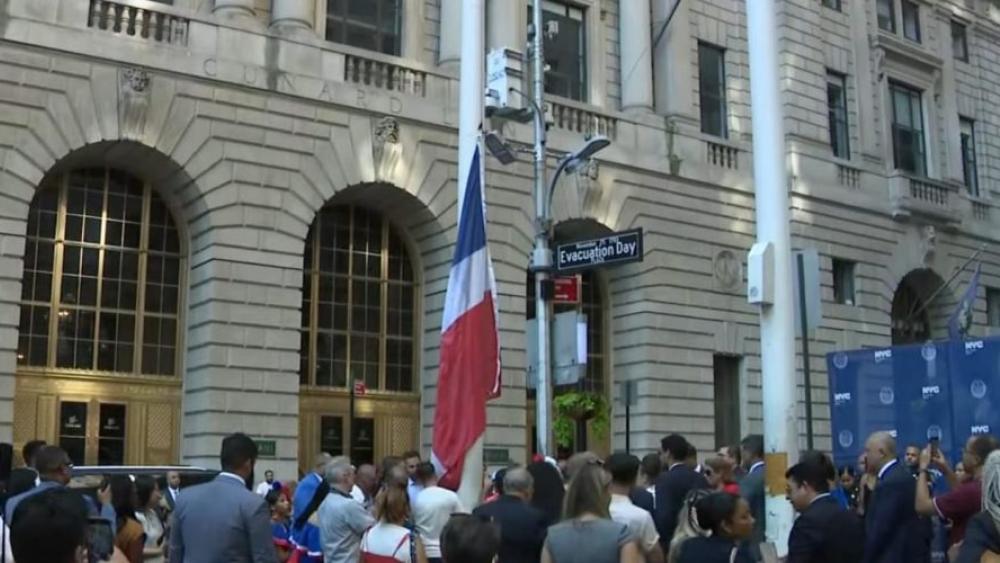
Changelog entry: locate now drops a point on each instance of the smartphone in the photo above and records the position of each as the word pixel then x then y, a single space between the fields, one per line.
pixel 100 540
pixel 934 446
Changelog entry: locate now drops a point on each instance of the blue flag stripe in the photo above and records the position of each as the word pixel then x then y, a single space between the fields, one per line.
pixel 471 225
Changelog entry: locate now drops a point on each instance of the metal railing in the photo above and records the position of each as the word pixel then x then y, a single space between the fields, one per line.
pixel 380 74
pixel 139 19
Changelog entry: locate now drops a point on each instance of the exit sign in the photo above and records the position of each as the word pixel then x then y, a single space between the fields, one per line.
pixel 266 449
pixel 567 290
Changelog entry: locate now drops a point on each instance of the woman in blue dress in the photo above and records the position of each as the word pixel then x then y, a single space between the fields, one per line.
pixel 305 530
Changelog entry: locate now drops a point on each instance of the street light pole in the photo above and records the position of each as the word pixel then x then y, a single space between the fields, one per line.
pixel 541 257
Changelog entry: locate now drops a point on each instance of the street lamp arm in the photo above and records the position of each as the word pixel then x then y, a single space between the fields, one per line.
pixel 539 114
pixel 563 163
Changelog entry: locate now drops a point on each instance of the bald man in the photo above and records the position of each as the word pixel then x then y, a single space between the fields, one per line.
pixel 522 526
pixel 894 532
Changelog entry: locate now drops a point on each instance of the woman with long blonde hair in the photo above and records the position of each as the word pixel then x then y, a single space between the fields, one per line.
pixel 588 534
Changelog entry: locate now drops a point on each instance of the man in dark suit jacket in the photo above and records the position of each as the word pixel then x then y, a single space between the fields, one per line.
pixel 223 520
pixel 894 532
pixel 673 485
pixel 522 526
pixel 824 532
pixel 752 488
pixel 643 499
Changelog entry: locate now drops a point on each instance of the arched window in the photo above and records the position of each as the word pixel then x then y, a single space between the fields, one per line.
pixel 358 303
pixel 591 305
pixel 102 268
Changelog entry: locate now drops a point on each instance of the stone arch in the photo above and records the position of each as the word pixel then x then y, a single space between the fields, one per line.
pixel 153 405
pixel 921 306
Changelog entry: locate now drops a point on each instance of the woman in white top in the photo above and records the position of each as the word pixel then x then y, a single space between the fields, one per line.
pixel 388 541
pixel 149 500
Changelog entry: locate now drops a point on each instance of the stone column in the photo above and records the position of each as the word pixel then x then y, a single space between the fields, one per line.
pixel 951 127
pixel 636 55
pixel 293 16
pixel 451 33
pixel 506 20
pixel 672 56
pixel 413 31
pixel 234 8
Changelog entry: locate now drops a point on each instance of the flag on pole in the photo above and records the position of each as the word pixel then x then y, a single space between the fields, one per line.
pixel 961 319
pixel 469 373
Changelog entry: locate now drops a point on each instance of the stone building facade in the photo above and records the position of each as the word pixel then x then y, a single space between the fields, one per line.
pixel 214 214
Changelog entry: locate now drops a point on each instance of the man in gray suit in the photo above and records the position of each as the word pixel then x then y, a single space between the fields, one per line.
pixel 752 487
pixel 222 520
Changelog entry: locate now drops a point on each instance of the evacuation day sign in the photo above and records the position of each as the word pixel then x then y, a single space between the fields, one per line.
pixel 615 249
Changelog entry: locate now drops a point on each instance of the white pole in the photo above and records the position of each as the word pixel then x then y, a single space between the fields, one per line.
pixel 470 118
pixel 541 257
pixel 777 331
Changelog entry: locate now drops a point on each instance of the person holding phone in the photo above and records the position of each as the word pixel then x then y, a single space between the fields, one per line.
pixel 964 500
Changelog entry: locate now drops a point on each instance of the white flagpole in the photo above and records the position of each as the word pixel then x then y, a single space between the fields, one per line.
pixel 777 328
pixel 470 119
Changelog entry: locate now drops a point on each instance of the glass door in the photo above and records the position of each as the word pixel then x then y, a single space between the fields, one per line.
pixel 73 430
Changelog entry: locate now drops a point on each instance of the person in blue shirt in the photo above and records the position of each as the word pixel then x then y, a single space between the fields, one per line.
pixel 54 471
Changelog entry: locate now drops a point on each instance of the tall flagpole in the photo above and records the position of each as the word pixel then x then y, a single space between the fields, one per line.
pixel 777 329
pixel 472 74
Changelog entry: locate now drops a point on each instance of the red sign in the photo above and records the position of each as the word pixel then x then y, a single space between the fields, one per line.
pixel 359 387
pixel 567 290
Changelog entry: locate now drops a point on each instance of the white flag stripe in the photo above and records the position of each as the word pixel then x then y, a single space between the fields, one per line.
pixel 468 282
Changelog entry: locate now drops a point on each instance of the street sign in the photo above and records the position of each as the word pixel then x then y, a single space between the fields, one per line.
pixel 620 248
pixel 359 387
pixel 567 290
pixel 266 449
pixel 569 348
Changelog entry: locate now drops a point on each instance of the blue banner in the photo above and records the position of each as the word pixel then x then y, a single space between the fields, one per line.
pixel 947 390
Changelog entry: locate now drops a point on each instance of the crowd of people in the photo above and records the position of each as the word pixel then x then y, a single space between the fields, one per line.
pixel 665 507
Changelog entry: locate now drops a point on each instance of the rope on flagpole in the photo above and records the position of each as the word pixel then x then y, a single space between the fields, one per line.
pixel 938 291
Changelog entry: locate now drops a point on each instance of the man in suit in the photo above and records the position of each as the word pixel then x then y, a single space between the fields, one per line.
pixel 223 520
pixel 173 489
pixel 824 532
pixel 894 533
pixel 752 487
pixel 673 485
pixel 522 526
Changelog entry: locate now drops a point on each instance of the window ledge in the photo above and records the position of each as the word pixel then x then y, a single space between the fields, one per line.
pixel 906 51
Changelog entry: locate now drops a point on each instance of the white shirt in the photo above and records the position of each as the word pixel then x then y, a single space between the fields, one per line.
pixel 388 540
pixel 357 494
pixel 639 521
pixel 431 512
pixel 263 488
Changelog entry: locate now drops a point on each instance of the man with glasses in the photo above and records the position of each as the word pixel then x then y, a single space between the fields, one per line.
pixel 54 471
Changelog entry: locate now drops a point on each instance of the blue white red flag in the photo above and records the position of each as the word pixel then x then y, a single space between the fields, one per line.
pixel 469 373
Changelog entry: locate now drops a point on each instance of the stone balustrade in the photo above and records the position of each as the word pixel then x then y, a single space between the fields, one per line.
pixel 140 19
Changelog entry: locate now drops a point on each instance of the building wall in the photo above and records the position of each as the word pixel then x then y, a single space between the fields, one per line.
pixel 248 134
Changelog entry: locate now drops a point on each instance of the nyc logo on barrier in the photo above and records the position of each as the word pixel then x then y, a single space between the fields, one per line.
pixel 937 390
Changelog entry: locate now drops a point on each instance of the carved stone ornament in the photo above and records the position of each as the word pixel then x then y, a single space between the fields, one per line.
pixel 588 189
pixel 386 148
pixel 928 244
pixel 133 102
pixel 727 269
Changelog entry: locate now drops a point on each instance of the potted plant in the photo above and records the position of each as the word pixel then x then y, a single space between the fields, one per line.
pixel 576 408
